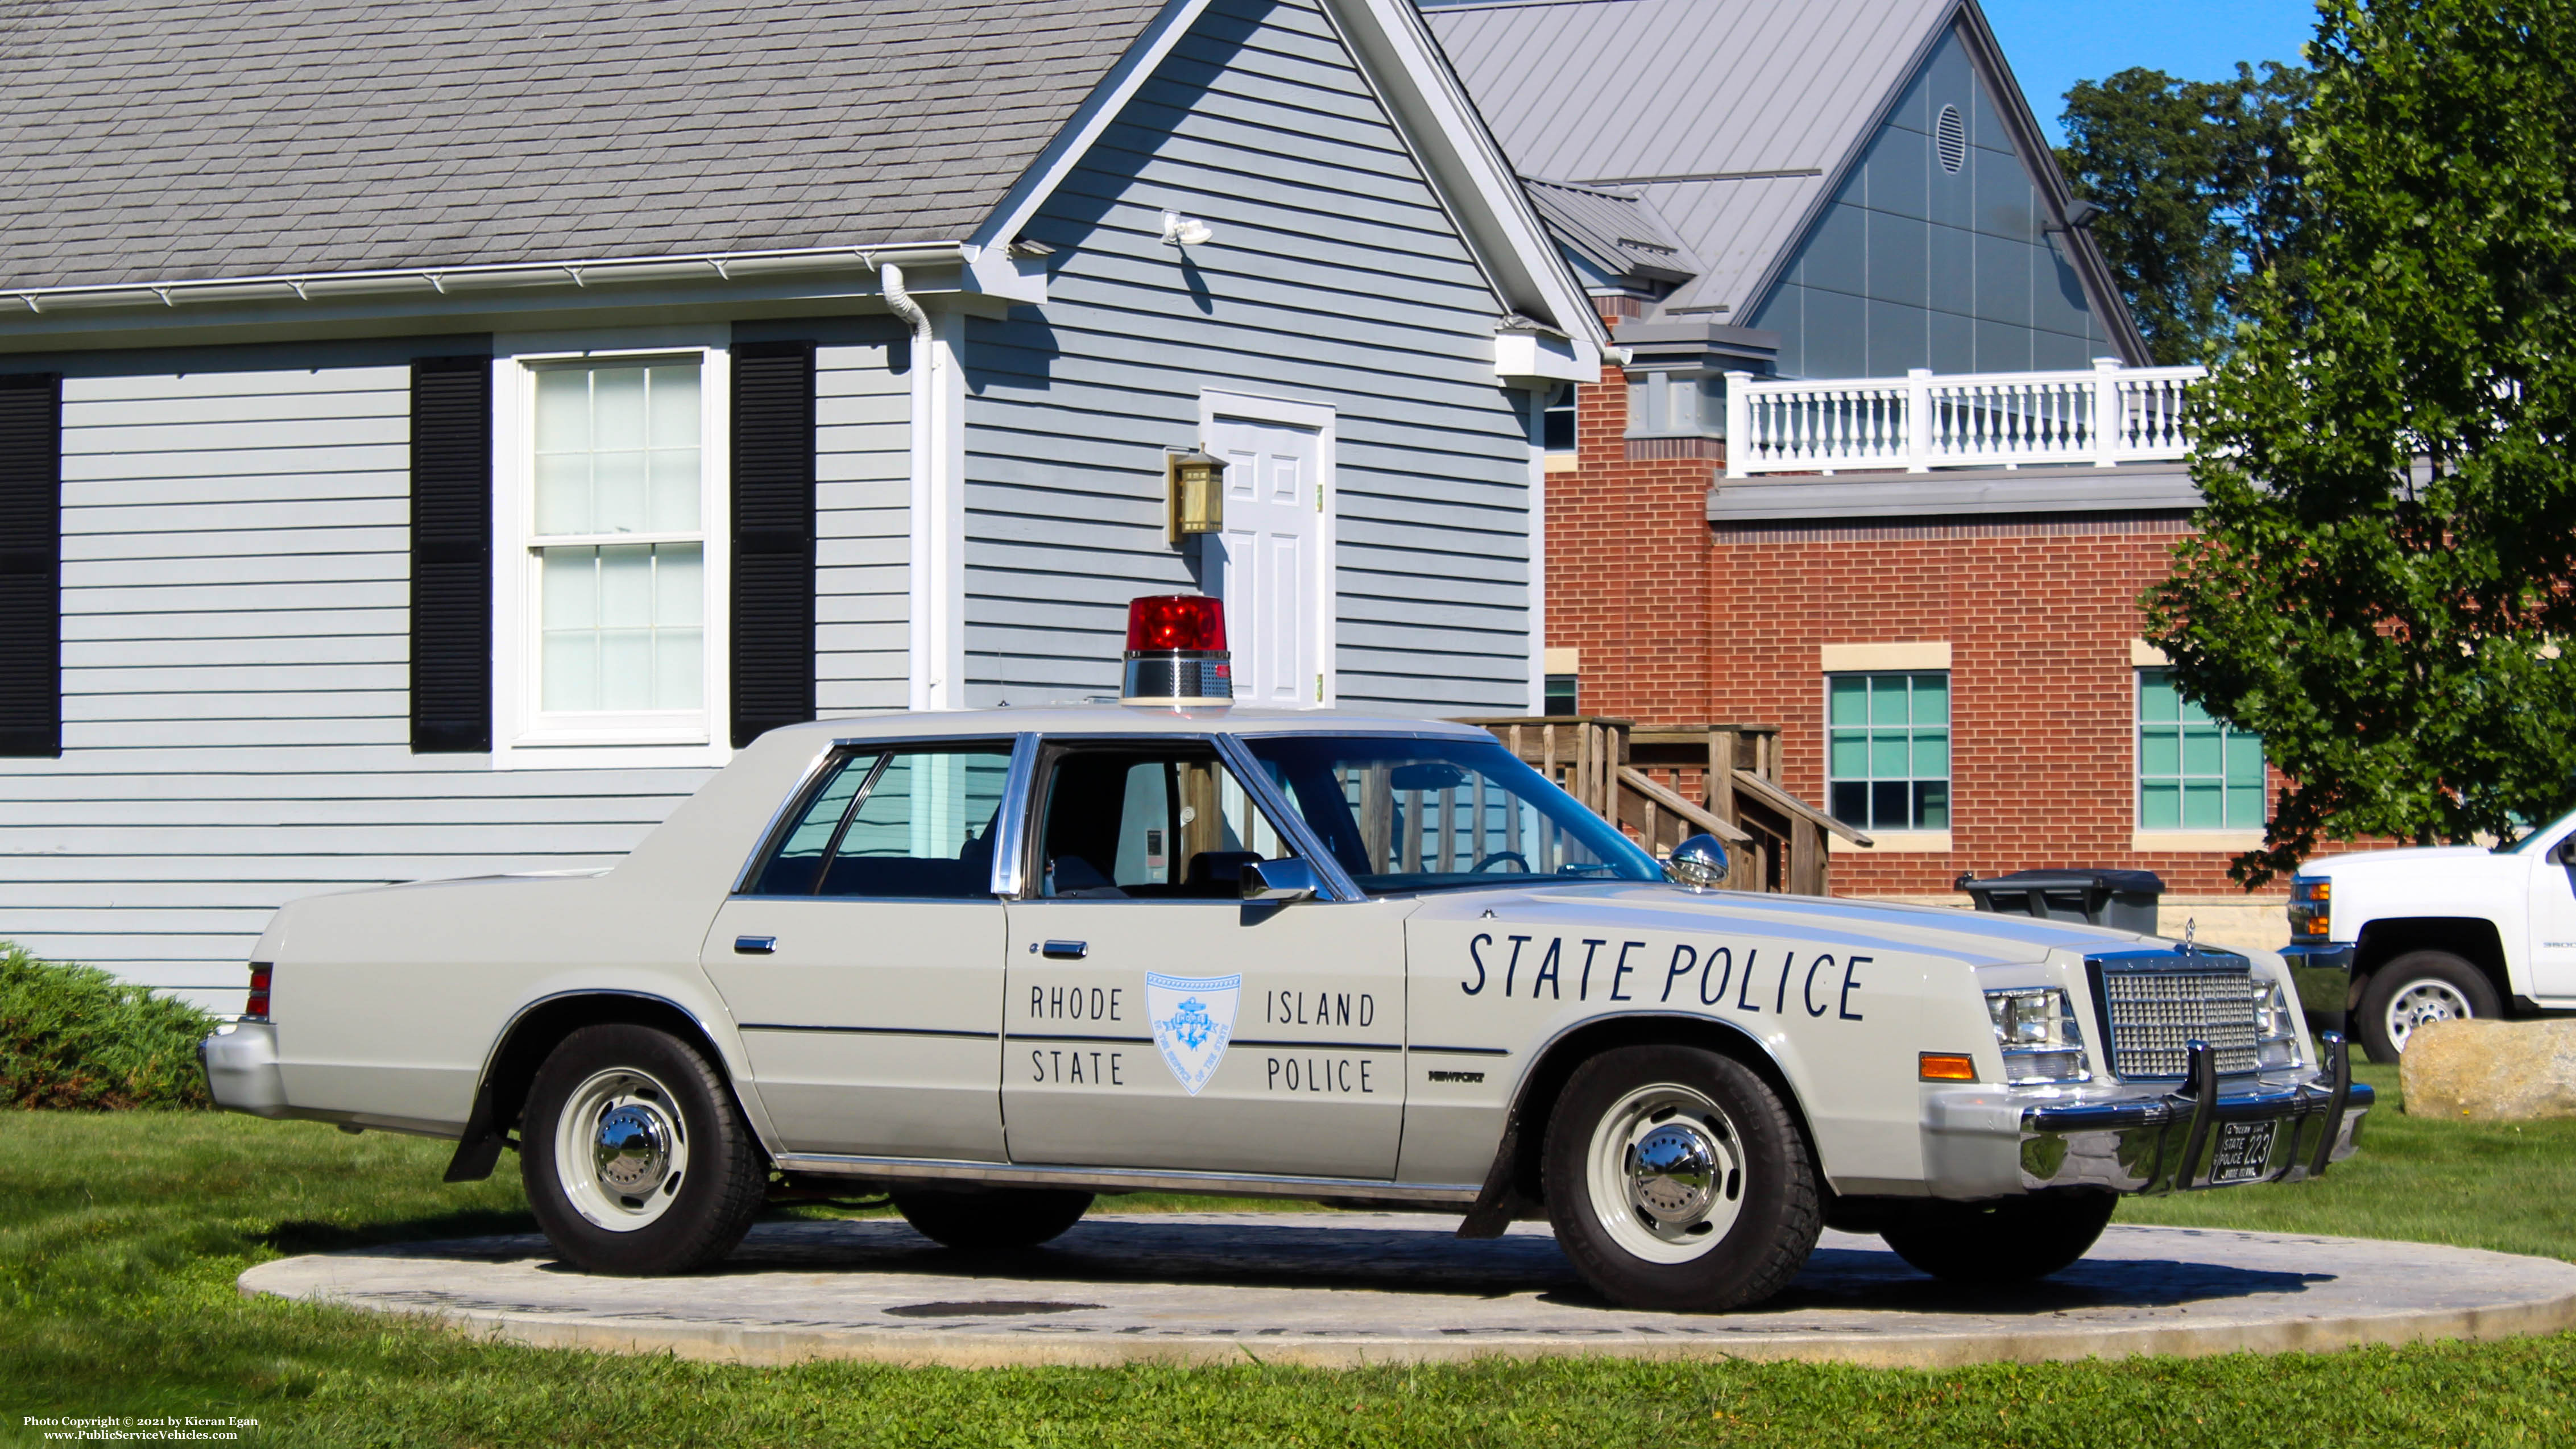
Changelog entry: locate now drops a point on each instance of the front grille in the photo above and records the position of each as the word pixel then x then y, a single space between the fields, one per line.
pixel 2155 1011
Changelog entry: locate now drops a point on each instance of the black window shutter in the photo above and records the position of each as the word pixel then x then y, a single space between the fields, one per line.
pixel 31 564
pixel 773 537
pixel 451 555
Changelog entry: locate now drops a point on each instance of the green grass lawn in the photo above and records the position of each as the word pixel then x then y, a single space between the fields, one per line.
pixel 120 1236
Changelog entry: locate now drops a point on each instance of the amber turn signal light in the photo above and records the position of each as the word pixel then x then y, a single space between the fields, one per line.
pixel 1948 1067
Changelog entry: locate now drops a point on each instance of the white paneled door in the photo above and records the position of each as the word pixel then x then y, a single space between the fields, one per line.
pixel 1271 570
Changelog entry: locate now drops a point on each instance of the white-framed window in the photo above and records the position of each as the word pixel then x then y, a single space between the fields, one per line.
pixel 2194 772
pixel 609 566
pixel 1887 759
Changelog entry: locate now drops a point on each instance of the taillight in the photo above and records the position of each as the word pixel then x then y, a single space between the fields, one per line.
pixel 256 1009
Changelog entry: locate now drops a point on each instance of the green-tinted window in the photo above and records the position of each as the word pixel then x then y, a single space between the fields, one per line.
pixel 1887 761
pixel 1564 694
pixel 2194 772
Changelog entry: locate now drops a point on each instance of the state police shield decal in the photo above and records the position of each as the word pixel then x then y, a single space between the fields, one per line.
pixel 1193 1018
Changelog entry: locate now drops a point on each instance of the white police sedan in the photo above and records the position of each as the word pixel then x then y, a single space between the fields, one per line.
pixel 1001 962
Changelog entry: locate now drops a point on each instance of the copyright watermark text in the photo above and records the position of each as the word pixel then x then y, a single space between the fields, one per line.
pixel 96 1428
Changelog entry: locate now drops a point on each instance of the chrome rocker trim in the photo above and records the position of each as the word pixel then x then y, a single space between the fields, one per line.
pixel 2166 1143
pixel 1113 1179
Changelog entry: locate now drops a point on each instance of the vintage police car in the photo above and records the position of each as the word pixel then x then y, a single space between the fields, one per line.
pixel 999 962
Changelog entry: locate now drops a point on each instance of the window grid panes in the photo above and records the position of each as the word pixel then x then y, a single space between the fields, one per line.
pixel 2194 772
pixel 617 521
pixel 1888 750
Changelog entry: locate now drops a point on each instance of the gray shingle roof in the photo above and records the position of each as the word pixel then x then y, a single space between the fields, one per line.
pixel 169 140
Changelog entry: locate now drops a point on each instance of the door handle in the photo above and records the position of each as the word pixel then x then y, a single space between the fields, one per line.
pixel 755 945
pixel 1066 950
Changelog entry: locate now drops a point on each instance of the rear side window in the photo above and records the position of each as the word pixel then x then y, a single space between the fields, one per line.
pixel 894 824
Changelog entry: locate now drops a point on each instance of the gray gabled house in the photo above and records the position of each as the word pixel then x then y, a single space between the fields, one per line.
pixel 433 437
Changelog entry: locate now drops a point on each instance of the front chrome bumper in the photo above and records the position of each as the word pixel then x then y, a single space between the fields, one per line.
pixel 2200 1135
pixel 240 1060
pixel 1985 1142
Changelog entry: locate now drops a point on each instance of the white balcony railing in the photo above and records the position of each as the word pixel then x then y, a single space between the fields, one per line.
pixel 2104 416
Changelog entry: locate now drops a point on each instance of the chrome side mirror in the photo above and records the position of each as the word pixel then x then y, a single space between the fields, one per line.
pixel 1279 880
pixel 1699 863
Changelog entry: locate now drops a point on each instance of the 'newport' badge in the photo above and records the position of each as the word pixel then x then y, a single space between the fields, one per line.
pixel 1193 1018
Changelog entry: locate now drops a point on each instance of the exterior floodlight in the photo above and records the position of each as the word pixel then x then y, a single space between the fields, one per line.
pixel 1176 652
pixel 1185 231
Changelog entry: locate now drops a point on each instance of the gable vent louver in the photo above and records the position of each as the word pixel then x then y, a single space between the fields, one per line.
pixel 1950 139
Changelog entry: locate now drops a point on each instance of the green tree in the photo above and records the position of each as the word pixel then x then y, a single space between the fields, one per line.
pixel 2199 187
pixel 2381 581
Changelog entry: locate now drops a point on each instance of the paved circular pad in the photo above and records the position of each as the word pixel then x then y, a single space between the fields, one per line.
pixel 1350 1288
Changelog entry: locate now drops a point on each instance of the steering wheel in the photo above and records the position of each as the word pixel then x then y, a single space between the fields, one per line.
pixel 1514 856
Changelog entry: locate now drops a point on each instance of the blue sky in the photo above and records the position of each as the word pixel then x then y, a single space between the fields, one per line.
pixel 2052 44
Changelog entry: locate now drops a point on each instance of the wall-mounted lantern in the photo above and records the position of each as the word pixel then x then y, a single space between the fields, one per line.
pixel 1195 492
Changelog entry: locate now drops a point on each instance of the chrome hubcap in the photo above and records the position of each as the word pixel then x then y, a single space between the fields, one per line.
pixel 633 1151
pixel 1666 1173
pixel 621 1149
pixel 1673 1173
pixel 2420 1004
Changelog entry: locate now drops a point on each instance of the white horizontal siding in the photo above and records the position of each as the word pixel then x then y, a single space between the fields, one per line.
pixel 1335 277
pixel 236 659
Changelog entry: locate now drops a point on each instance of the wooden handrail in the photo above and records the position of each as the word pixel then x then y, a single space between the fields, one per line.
pixel 1788 804
pixel 1680 805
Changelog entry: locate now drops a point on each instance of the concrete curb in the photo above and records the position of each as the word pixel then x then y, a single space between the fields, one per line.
pixel 1863 1309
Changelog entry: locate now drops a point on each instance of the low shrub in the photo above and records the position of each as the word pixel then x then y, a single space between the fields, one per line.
pixel 76 1039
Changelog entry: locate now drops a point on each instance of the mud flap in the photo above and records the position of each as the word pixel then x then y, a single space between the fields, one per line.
pixel 480 1149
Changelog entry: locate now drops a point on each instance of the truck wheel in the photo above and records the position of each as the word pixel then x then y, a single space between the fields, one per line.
pixel 2416 988
pixel 635 1158
pixel 993 1220
pixel 1677 1179
pixel 2010 1240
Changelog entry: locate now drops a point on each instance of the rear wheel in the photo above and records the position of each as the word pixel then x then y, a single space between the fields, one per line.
pixel 2418 989
pixel 2010 1240
pixel 636 1160
pixel 1677 1179
pixel 993 1220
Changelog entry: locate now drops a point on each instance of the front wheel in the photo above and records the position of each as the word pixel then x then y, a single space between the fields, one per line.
pixel 1677 1179
pixel 635 1159
pixel 1994 1244
pixel 2417 989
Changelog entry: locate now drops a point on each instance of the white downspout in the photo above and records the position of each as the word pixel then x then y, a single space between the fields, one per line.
pixel 924 634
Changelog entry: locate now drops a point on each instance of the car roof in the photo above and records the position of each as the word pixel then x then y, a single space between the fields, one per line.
pixel 1097 719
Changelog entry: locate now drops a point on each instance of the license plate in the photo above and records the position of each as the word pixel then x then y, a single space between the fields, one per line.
pixel 2244 1150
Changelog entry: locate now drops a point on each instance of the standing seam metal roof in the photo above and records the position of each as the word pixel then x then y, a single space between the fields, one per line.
pixel 172 140
pixel 1728 117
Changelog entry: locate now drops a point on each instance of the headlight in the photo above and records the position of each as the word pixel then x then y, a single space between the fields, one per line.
pixel 2276 1027
pixel 2035 1028
pixel 2311 909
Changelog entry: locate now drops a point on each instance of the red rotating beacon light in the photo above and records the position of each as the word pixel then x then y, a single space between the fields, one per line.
pixel 1176 652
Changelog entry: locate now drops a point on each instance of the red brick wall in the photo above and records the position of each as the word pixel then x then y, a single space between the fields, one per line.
pixel 1627 569
pixel 1678 623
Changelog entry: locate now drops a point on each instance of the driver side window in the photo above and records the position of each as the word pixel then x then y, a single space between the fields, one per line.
pixel 1166 823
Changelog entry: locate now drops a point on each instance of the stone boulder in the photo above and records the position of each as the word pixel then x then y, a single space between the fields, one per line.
pixel 2490 1071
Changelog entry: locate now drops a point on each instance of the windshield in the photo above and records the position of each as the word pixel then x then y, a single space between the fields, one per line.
pixel 1437 814
pixel 2554 830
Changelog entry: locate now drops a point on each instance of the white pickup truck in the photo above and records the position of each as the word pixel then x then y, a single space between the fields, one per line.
pixel 2398 938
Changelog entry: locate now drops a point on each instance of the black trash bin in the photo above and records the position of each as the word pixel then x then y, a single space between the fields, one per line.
pixel 2121 899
